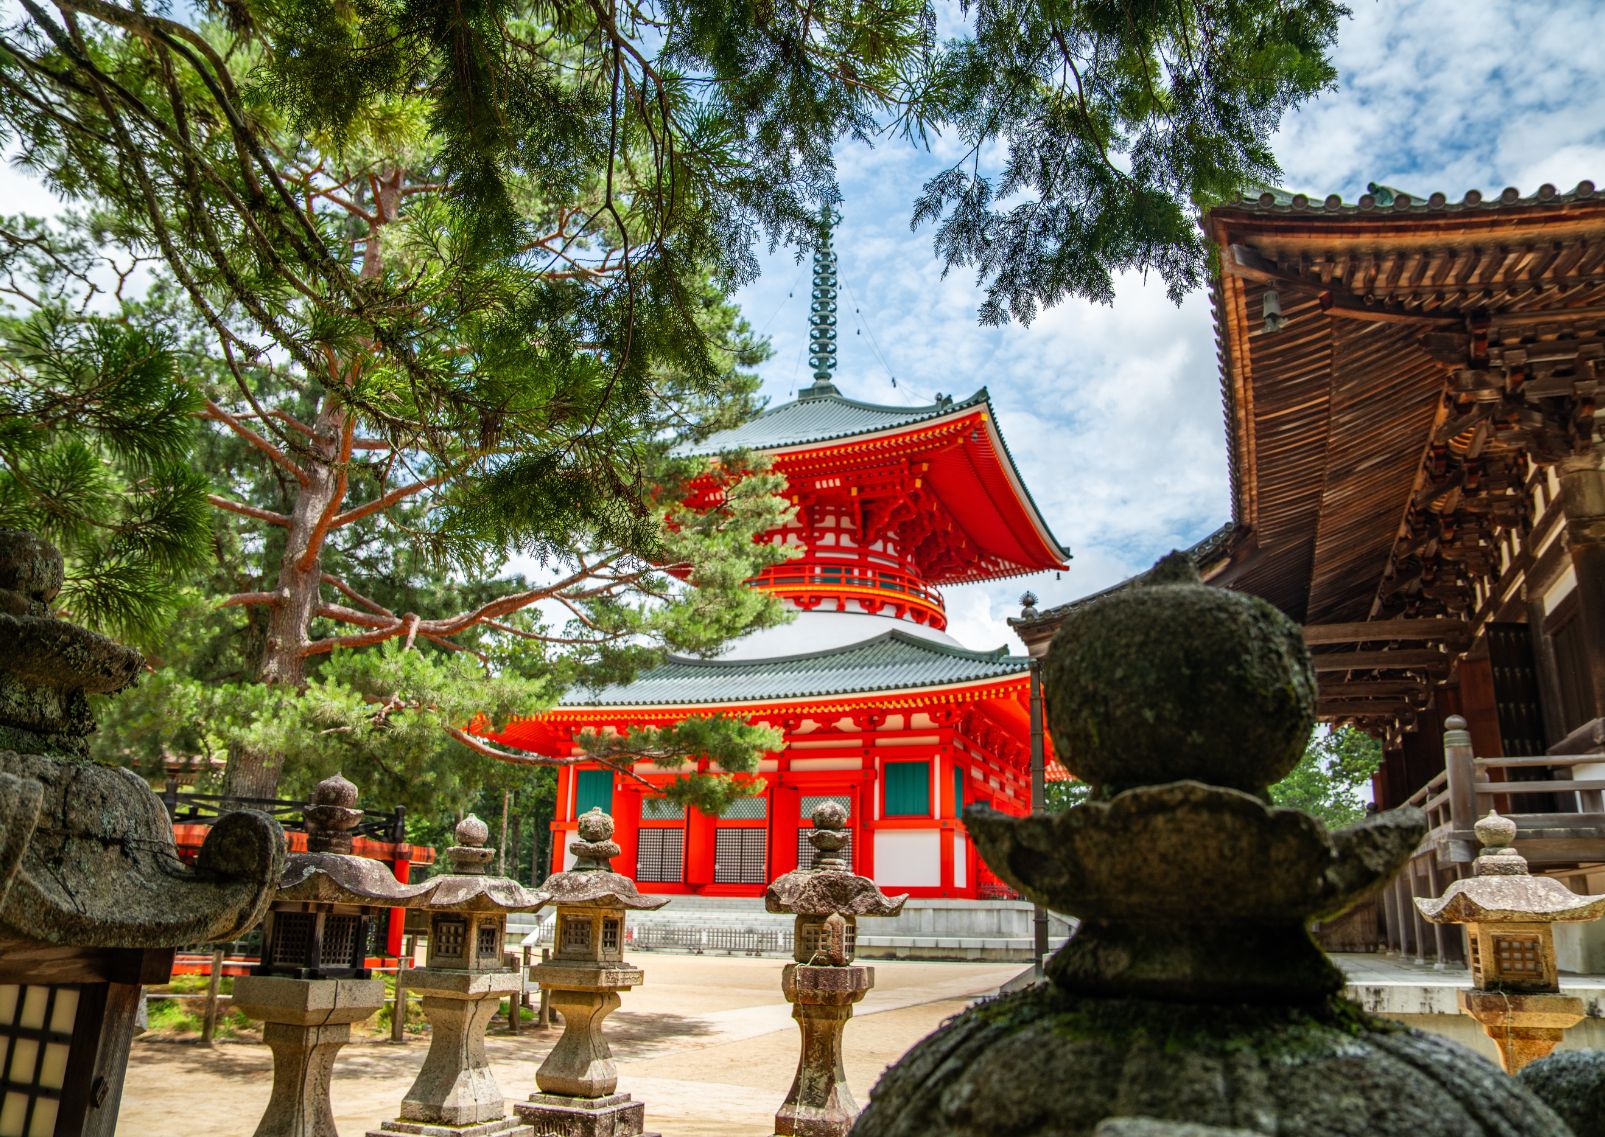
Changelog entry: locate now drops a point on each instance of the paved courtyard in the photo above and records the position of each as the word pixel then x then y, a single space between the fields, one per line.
pixel 708 1043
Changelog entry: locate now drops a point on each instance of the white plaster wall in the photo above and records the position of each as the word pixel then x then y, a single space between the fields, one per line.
pixel 961 861
pixel 908 858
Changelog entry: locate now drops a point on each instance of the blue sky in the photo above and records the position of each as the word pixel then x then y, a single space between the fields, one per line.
pixel 1114 413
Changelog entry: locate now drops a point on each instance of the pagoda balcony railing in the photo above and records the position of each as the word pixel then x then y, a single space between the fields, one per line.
pixel 871 586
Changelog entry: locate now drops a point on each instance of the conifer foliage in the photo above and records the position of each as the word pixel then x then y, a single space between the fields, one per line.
pixel 446 280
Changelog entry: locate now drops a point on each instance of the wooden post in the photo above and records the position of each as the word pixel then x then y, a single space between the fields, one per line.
pixel 545 1020
pixel 1438 930
pixel 1039 805
pixel 398 1015
pixel 1582 503
pixel 501 850
pixel 1459 759
pixel 209 1025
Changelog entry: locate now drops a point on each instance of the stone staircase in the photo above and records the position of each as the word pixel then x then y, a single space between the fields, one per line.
pixel 927 929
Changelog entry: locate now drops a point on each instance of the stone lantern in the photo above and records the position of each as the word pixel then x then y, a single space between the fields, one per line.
pixel 578 1081
pixel 462 984
pixel 1509 917
pixel 1191 998
pixel 311 984
pixel 822 983
pixel 93 896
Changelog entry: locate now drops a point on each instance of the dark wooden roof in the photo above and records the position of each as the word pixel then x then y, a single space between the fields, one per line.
pixel 1430 352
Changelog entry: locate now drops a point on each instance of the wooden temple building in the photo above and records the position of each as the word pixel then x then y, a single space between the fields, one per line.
pixel 1410 388
pixel 880 708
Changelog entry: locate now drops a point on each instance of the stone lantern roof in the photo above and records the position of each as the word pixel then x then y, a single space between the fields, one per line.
pixel 1501 890
pixel 468 888
pixel 592 883
pixel 829 888
pixel 87 857
pixel 328 872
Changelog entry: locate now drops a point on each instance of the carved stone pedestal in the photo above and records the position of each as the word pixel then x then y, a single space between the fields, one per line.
pixel 559 1115
pixel 822 998
pixel 1524 1027
pixel 306 1022
pixel 455 1092
pixel 581 1065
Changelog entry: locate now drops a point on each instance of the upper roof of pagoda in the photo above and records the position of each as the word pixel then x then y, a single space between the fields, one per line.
pixel 952 447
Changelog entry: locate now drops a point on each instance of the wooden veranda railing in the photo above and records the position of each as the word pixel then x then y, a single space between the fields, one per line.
pixel 1567 829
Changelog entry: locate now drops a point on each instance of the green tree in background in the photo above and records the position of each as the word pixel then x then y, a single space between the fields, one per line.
pixel 448 280
pixel 1328 779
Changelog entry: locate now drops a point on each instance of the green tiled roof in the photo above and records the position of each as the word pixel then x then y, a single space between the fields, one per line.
pixel 821 417
pixel 890 662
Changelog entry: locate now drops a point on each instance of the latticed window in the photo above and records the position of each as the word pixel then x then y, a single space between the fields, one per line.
pixel 340 947
pixel 806 854
pixel 488 945
pixel 661 809
pixel 451 937
pixel 746 809
pixel 36 1025
pixel 292 938
pixel 576 935
pixel 810 802
pixel 1519 957
pixel 816 939
pixel 660 855
pixel 610 934
pixel 738 856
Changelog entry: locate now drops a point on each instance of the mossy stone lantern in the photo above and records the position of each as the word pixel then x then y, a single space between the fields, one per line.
pixel 1191 997
pixel 93 895
pixel 823 983
pixel 461 985
pixel 1509 917
pixel 312 982
pixel 578 1081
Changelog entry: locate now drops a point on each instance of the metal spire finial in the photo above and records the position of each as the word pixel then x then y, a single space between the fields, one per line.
pixel 822 310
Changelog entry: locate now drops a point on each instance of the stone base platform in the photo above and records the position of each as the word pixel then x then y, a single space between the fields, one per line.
pixel 503 1127
pixel 553 1115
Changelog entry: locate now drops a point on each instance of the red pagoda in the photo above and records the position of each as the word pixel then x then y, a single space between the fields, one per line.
pixel 882 711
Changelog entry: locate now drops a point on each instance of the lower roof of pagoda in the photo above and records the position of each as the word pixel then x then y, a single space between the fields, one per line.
pixel 903 659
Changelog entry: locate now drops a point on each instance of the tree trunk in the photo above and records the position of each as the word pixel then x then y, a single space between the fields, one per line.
pixel 251 772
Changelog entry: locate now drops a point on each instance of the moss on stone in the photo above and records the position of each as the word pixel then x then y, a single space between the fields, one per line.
pixel 1172 681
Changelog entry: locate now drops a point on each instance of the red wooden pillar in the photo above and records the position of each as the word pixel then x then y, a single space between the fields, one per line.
pixel 626 825
pixel 700 836
pixel 785 813
pixel 402 867
pixel 866 806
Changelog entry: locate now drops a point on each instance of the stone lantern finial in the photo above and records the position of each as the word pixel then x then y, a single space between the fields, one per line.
pixel 595 849
pixel 469 856
pixel 331 816
pixel 829 836
pixel 1497 858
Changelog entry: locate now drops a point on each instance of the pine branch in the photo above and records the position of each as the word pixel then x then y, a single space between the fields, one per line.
pixel 251 511
pixel 279 457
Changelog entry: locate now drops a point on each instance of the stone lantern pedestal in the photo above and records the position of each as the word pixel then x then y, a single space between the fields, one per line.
pixel 455 1094
pixel 578 1081
pixel 1510 917
pixel 305 1023
pixel 823 982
